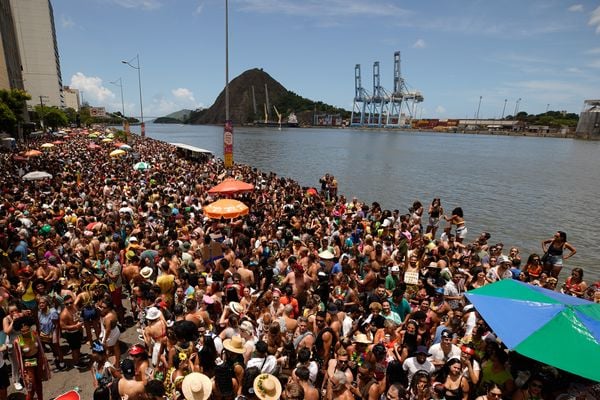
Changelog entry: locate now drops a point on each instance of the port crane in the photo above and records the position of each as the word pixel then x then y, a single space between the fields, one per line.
pixel 382 108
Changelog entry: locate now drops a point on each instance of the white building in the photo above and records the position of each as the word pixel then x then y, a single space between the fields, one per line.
pixel 71 96
pixel 36 37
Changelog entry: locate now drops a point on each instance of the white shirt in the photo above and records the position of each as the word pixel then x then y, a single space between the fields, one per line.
pixel 267 366
pixel 411 366
pixel 437 354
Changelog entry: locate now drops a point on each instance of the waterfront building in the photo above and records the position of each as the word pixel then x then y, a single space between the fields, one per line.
pixel 36 39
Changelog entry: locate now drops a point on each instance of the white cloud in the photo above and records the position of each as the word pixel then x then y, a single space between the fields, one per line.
pixel 180 98
pixel 595 19
pixel 592 51
pixel 143 4
pixel 419 44
pixel 576 8
pixel 199 8
pixel 66 22
pixel 574 70
pixel 594 64
pixel 440 110
pixel 324 8
pixel 94 92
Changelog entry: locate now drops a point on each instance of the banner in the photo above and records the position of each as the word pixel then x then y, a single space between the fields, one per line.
pixel 228 144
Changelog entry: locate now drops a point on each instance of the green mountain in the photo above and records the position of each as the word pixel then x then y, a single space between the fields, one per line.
pixel 241 106
pixel 176 117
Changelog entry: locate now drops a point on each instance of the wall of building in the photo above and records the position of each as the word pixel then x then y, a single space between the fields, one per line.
pixel 71 98
pixel 10 61
pixel 36 36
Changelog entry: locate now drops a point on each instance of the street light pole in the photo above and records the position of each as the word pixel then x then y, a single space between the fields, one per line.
pixel 504 108
pixel 120 85
pixel 228 129
pixel 139 70
pixel 516 107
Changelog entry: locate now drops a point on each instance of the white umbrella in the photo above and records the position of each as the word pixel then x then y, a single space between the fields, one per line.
pixel 37 175
pixel 141 166
pixel 125 147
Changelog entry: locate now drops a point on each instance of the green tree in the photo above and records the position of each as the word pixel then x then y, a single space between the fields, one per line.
pixel 53 117
pixel 12 106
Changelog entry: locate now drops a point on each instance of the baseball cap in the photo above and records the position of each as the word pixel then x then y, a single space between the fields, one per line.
pixel 422 350
pixel 128 368
pixel 446 334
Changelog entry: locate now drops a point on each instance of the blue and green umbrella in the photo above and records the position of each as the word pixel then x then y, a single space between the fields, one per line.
pixel 550 327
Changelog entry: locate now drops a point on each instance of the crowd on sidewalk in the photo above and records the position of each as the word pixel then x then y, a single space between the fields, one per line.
pixel 310 295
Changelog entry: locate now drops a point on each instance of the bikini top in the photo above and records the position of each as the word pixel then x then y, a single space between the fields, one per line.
pixel 24 347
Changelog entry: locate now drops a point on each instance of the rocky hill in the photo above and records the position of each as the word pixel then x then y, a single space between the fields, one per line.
pixel 241 107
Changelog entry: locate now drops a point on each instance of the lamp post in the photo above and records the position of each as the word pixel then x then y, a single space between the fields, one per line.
pixel 504 108
pixel 228 129
pixel 139 70
pixel 119 83
pixel 547 107
pixel 516 107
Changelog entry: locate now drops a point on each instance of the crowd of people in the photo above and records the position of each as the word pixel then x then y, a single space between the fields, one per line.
pixel 311 295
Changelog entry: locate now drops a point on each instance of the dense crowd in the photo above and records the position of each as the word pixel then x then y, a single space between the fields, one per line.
pixel 310 295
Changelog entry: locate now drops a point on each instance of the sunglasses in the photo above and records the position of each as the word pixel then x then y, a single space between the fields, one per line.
pixel 68 303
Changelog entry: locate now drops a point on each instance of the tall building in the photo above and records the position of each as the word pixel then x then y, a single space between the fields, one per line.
pixel 40 63
pixel 71 98
pixel 10 61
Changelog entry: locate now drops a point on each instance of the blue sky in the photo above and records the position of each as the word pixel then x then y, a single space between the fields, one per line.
pixel 453 51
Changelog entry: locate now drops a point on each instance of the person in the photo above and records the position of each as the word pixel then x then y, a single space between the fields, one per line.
pixel 444 351
pixel 110 333
pixel 494 370
pixel 48 319
pixel 31 359
pixel 456 387
pixel 338 388
pixel 575 285
pixel 417 363
pixel 553 253
pixel 71 327
pixel 500 271
pixel 420 386
pixel 301 376
pixel 103 371
pixel 533 268
pixel 458 220
pixel 435 212
pixel 14 313
pixel 532 389
pixel 266 363
pixel 493 392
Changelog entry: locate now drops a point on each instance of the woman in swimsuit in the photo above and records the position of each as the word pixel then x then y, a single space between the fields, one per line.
pixel 456 387
pixel 553 253
pixel 575 285
pixel 103 372
pixel 33 366
pixel 458 220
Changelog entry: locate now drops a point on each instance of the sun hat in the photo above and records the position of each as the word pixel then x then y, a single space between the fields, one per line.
pixel 361 338
pixel 146 272
pixel 503 259
pixel 326 255
pixel 235 344
pixel 247 327
pixel 196 386
pixel 267 387
pixel 433 264
pixel 236 307
pixel 152 313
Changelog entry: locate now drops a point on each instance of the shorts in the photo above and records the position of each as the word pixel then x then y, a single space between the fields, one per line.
pixel 89 314
pixel 434 222
pixel 73 339
pixel 461 232
pixel 4 381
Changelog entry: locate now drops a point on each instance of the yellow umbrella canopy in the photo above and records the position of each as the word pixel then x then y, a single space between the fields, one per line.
pixel 47 146
pixel 117 153
pixel 106 140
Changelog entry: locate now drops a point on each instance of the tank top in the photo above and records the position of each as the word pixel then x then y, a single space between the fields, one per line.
pixel 455 394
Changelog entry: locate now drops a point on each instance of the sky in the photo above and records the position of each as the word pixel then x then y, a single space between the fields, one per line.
pixel 455 52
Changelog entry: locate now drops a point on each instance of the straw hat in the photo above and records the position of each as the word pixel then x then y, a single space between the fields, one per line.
pixel 196 386
pixel 361 338
pixel 236 307
pixel 326 255
pixel 267 387
pixel 146 272
pixel 235 344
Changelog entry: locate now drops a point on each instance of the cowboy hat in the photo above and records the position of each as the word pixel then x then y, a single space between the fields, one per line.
pixel 152 313
pixel 267 387
pixel 196 386
pixel 235 344
pixel 361 338
pixel 146 272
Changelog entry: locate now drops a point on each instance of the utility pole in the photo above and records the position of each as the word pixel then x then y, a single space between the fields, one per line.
pixel 478 107
pixel 504 108
pixel 42 113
